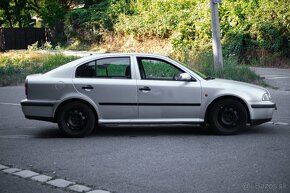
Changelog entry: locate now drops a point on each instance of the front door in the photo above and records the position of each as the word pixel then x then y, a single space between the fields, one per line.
pixel 162 97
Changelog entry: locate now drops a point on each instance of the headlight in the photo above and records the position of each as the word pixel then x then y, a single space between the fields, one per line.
pixel 266 97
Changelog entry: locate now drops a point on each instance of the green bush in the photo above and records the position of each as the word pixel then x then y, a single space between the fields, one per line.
pixel 232 69
pixel 248 28
pixel 245 25
pixel 87 24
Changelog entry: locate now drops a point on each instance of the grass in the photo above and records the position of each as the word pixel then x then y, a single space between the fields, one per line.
pixel 15 66
pixel 232 69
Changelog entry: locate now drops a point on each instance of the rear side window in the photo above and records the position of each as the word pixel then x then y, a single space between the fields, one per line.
pixel 118 67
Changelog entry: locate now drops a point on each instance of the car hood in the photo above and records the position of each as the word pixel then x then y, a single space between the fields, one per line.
pixel 236 85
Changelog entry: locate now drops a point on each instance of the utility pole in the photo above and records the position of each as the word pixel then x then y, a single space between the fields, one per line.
pixel 216 37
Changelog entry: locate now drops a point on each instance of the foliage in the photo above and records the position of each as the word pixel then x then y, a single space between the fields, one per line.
pixel 47 46
pixel 88 23
pixel 232 70
pixel 33 47
pixel 245 25
pixel 52 13
pixel 251 30
pixel 15 67
pixel 255 25
pixel 17 13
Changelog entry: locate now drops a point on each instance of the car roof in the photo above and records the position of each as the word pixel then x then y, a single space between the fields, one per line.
pixel 116 54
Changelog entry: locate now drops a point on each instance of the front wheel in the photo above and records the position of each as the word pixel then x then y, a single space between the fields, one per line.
pixel 76 119
pixel 227 116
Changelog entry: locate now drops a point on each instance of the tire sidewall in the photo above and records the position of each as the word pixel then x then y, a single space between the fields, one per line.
pixel 88 113
pixel 214 119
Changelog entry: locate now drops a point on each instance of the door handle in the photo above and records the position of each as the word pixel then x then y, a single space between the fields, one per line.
pixel 145 88
pixel 88 87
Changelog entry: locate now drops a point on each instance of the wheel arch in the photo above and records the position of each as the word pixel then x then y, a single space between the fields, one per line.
pixel 57 110
pixel 226 97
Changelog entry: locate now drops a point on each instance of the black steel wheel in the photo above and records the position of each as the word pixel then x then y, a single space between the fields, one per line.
pixel 76 119
pixel 227 116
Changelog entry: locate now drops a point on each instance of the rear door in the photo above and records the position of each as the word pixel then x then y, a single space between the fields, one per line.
pixel 110 84
pixel 161 96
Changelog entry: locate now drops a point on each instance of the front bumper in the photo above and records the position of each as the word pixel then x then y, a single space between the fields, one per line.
pixel 262 112
pixel 38 110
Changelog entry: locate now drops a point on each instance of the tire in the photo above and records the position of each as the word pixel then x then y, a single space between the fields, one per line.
pixel 228 116
pixel 76 119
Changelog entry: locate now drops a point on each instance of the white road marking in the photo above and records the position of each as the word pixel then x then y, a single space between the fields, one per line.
pixel 272 75
pixel 278 123
pixel 281 123
pixel 277 77
pixel 16 136
pixel 57 183
pixel 14 104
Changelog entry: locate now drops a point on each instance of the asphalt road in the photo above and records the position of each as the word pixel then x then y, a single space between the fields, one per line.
pixel 147 159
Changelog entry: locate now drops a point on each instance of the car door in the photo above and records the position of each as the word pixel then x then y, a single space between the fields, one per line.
pixel 162 97
pixel 110 84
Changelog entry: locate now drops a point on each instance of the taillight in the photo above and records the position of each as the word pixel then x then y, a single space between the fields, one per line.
pixel 26 88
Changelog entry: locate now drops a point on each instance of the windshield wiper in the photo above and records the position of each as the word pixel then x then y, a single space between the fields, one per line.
pixel 209 78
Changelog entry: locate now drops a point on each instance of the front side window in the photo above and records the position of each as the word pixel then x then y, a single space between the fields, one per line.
pixel 156 69
pixel 118 67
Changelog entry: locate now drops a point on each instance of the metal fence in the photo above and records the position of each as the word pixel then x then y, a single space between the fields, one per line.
pixel 20 38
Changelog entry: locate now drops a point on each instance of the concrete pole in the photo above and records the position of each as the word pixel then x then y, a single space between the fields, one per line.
pixel 216 38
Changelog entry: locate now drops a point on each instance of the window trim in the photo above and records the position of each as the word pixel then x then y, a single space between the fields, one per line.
pixel 142 72
pixel 114 77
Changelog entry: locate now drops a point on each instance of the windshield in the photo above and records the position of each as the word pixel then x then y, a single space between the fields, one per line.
pixel 191 68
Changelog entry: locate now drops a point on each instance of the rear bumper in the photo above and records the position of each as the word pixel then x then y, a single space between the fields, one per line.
pixel 38 110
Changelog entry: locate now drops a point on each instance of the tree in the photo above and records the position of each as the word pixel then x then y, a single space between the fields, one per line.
pixel 6 13
pixel 18 13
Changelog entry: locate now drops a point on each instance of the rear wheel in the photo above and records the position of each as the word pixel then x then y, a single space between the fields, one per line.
pixel 227 116
pixel 76 119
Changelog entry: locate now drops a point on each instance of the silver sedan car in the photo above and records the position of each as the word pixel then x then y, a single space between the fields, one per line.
pixel 123 88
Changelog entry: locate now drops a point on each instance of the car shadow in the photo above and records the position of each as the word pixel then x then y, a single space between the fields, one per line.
pixel 49 132
pixel 151 131
pixel 138 130
pixel 130 131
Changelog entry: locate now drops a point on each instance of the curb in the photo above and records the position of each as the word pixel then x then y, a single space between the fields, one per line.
pixel 55 182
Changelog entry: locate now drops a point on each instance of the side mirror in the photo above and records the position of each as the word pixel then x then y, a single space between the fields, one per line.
pixel 184 77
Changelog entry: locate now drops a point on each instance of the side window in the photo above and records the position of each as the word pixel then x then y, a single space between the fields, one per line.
pixel 106 68
pixel 113 67
pixel 156 69
pixel 87 70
